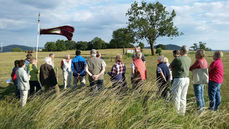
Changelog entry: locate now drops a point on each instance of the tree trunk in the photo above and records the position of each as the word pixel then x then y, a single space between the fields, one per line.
pixel 152 47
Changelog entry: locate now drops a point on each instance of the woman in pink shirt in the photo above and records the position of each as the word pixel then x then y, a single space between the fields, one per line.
pixel 215 80
pixel 200 63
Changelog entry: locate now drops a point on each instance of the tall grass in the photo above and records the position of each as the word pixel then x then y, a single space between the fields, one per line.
pixel 105 109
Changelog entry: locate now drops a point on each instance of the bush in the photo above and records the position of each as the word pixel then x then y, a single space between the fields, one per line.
pixel 17 50
pixel 158 51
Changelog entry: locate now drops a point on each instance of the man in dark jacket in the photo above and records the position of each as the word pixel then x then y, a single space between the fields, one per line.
pixel 48 76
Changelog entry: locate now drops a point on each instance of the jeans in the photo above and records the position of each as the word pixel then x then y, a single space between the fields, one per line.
pixel 214 95
pixel 179 94
pixel 199 93
pixel 96 85
pixel 81 79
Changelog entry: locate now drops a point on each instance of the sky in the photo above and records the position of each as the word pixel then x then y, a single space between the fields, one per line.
pixel 200 20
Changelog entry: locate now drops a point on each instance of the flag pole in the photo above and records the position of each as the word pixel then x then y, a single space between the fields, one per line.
pixel 38 36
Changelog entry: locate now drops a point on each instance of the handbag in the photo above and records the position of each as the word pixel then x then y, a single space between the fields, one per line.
pixel 200 76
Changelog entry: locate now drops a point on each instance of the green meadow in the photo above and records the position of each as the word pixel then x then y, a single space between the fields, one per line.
pixel 110 108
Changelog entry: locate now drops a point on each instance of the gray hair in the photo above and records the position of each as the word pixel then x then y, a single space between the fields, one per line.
pixel 200 52
pixel 160 58
pixel 218 54
pixel 93 52
pixel 185 49
pixel 48 60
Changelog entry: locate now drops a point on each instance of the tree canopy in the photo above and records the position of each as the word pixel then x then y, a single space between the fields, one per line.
pixel 122 38
pixel 201 45
pixel 149 21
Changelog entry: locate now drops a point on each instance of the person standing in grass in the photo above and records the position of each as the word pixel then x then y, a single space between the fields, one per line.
pixel 67 71
pixel 14 78
pixel 200 63
pixel 48 76
pixel 215 80
pixel 163 77
pixel 176 53
pixel 27 61
pixel 52 56
pixel 117 73
pixel 23 82
pixel 34 84
pixel 138 71
pixel 78 68
pixel 99 56
pixel 95 70
pixel 138 49
pixel 166 61
pixel 180 70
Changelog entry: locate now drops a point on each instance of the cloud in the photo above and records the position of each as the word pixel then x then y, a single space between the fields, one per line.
pixel 200 20
pixel 10 24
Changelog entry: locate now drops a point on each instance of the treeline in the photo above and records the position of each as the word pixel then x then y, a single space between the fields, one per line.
pixel 121 38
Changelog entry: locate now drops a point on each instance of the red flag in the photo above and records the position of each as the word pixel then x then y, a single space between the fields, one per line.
pixel 66 31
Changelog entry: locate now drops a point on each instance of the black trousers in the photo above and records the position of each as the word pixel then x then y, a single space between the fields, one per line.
pixel 34 87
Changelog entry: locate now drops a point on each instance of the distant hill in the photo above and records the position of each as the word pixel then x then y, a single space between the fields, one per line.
pixel 172 47
pixel 10 47
pixel 168 47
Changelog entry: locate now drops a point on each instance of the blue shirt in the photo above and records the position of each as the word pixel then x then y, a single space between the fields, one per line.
pixel 78 66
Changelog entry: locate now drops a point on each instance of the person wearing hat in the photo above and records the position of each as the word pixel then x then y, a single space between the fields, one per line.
pixel 95 69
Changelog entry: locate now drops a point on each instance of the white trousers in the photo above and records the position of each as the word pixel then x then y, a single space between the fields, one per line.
pixel 23 97
pixel 179 94
pixel 67 77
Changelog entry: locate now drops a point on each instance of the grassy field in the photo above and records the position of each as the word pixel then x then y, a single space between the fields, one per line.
pixel 107 109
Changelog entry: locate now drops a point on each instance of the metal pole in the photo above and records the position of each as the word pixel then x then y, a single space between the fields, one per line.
pixel 38 36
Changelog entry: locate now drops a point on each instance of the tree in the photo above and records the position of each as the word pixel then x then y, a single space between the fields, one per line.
pixel 141 45
pixel 82 45
pixel 60 45
pixel 97 43
pixel 122 38
pixel 70 45
pixel 194 47
pixel 158 51
pixel 17 50
pixel 161 46
pixel 149 21
pixel 50 46
pixel 200 46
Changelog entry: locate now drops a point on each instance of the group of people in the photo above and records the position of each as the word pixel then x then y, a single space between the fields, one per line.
pixel 25 75
pixel 178 74
pixel 202 74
